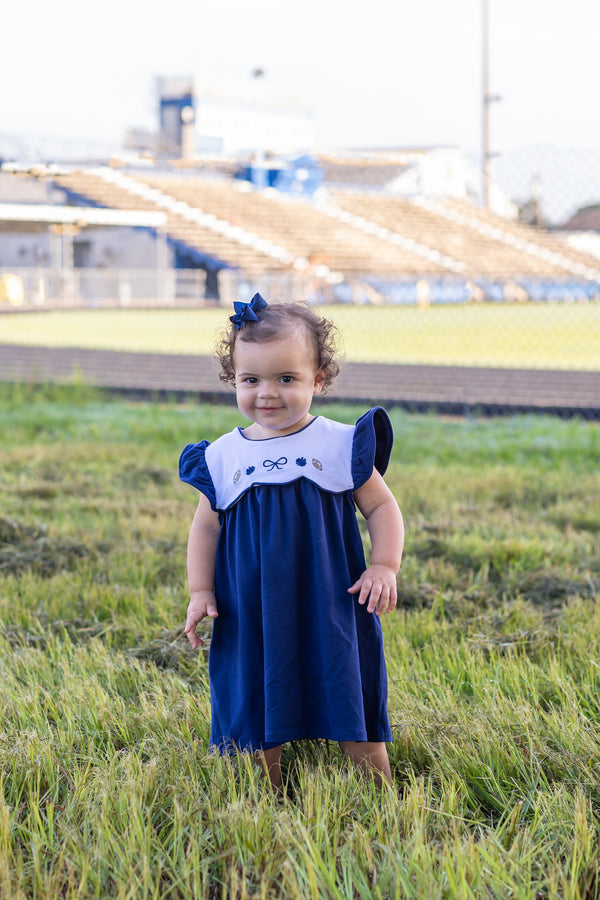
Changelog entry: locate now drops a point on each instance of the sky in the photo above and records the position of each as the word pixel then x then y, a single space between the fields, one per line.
pixel 386 73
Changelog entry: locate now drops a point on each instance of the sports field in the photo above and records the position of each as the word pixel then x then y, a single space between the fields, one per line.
pixel 556 336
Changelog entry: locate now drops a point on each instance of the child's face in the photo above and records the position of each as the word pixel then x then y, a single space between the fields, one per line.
pixel 275 382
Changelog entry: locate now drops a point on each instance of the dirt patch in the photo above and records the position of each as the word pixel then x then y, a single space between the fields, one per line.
pixel 172 650
pixel 77 630
pixel 30 548
pixel 546 587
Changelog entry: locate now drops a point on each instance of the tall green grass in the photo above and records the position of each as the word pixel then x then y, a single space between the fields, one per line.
pixel 106 785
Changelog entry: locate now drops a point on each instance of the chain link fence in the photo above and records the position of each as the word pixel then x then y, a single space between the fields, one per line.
pixel 394 246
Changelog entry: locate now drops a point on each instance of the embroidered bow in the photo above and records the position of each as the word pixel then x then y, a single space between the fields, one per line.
pixel 271 464
pixel 246 312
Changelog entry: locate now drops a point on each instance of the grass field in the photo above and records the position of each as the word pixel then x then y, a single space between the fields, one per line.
pixel 543 335
pixel 106 786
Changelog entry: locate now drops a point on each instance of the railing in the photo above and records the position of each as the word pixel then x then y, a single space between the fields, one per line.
pixel 46 288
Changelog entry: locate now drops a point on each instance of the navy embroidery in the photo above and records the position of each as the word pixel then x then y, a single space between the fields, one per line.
pixel 271 464
pixel 317 464
pixel 301 461
pixel 249 470
pixel 237 476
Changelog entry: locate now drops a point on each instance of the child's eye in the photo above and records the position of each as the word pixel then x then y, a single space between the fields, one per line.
pixel 250 379
pixel 287 379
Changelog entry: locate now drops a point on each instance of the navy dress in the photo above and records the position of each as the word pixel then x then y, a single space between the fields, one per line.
pixel 293 655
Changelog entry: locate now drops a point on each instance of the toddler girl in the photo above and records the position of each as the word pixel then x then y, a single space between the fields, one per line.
pixel 275 554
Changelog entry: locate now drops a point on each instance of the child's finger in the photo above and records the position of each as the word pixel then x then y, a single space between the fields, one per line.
pixel 366 592
pixel 194 639
pixel 375 594
pixel 393 601
pixel 362 587
pixel 387 602
pixel 384 603
pixel 191 622
pixel 211 609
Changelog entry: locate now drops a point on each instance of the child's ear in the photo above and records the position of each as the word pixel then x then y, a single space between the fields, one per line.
pixel 319 382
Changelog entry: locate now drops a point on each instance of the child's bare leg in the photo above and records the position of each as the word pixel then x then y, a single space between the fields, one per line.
pixel 270 763
pixel 370 756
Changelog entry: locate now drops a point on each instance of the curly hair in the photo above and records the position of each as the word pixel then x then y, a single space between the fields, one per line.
pixel 275 321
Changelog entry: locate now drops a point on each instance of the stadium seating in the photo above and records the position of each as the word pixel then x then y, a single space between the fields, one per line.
pixel 344 234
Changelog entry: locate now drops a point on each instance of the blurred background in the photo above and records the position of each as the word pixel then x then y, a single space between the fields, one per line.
pixel 431 174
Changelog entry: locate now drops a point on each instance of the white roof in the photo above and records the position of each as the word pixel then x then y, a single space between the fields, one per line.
pixel 79 215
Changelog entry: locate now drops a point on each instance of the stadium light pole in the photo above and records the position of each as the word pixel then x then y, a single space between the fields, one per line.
pixel 487 100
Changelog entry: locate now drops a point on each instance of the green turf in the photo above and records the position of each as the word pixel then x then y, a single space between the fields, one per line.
pixel 542 335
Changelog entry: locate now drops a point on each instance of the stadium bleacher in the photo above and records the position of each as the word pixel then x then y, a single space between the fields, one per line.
pixel 386 242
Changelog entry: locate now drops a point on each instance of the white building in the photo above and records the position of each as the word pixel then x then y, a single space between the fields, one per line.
pixel 251 116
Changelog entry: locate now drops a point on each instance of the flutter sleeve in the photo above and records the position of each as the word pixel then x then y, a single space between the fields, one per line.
pixel 194 470
pixel 371 445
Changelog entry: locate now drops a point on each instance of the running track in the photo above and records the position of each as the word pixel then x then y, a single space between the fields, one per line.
pixel 446 389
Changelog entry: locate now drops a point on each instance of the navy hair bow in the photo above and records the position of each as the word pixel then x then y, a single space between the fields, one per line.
pixel 246 312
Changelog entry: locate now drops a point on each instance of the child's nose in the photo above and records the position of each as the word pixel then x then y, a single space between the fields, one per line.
pixel 268 388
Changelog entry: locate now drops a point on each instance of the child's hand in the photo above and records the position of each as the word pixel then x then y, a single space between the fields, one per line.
pixel 202 604
pixel 377 584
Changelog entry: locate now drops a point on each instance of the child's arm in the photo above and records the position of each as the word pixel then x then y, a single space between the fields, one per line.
pixel 377 584
pixel 201 555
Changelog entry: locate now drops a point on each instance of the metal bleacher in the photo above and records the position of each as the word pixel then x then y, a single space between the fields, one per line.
pixel 354 235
